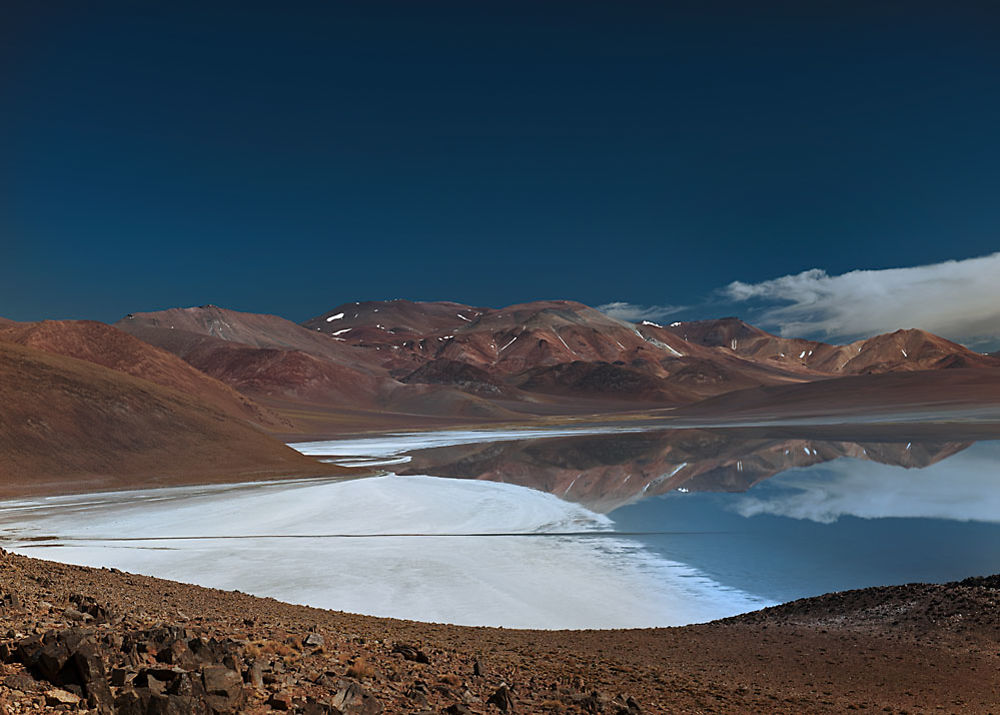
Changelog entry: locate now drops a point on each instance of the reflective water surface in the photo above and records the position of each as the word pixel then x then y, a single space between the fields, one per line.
pixel 606 526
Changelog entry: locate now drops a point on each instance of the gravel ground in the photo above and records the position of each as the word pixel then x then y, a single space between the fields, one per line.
pixel 83 639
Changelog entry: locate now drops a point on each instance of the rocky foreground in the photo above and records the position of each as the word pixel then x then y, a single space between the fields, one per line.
pixel 97 640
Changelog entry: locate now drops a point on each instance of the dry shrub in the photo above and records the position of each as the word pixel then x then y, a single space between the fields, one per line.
pixel 269 647
pixel 360 669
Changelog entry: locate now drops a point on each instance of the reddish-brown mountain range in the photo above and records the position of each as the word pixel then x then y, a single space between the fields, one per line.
pixel 382 362
pixel 150 396
pixel 903 350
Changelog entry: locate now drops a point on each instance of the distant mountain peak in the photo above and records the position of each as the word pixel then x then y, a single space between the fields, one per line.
pixel 546 355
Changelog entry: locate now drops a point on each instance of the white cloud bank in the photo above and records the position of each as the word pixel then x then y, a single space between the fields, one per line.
pixel 959 300
pixel 620 310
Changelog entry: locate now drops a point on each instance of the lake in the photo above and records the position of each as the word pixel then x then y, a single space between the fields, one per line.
pixel 606 526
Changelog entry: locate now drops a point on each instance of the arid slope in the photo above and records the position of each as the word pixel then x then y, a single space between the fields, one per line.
pixel 109 347
pixel 915 648
pixel 927 392
pixel 67 425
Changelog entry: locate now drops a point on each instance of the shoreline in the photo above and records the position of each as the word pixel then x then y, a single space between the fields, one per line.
pixel 935 425
pixel 910 648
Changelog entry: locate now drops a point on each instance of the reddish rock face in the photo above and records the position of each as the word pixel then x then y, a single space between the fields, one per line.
pixel 181 328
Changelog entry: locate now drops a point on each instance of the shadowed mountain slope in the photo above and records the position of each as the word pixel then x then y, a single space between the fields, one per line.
pixel 111 348
pixel 255 330
pixel 67 425
pixel 931 392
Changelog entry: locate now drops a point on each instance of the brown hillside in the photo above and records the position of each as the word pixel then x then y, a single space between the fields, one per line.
pixel 304 374
pixel 928 391
pixel 919 648
pixel 111 348
pixel 263 356
pixel 254 329
pixel 396 317
pixel 67 426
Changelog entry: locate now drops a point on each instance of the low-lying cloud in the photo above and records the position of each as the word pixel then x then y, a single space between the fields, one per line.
pixel 959 300
pixel 633 313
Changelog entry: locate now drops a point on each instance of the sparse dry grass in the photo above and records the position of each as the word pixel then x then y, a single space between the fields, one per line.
pixel 360 669
pixel 260 648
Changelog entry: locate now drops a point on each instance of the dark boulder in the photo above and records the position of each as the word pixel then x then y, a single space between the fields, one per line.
pixel 353 699
pixel 223 688
pixel 410 652
pixel 502 699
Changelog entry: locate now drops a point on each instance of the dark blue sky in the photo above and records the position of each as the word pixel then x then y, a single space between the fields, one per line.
pixel 287 157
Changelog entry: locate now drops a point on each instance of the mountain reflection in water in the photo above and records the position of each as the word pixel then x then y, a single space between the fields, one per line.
pixel 781 514
pixel 606 472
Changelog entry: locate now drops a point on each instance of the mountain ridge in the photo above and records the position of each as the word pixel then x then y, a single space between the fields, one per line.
pixel 449 360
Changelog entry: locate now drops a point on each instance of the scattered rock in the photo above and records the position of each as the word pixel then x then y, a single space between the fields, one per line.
pixel 148 662
pixel 353 699
pixel 502 699
pixel 410 652
pixel 10 601
pixel 118 677
pixel 75 615
pixel 280 701
pixel 631 707
pixel 23 682
pixel 255 674
pixel 314 640
pixel 60 697
pixel 223 688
